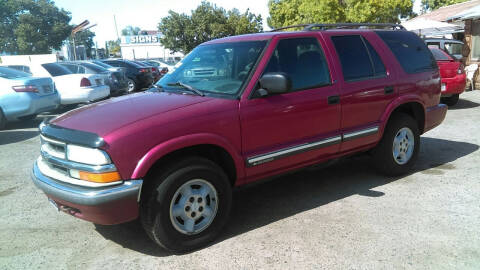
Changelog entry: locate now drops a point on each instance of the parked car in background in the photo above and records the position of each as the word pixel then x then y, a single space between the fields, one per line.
pixel 452 46
pixel 288 100
pixel 23 96
pixel 155 71
pixel 138 76
pixel 117 87
pixel 453 76
pixel 72 88
pixel 162 66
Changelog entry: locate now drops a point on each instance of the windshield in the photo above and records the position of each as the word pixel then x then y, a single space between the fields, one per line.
pixel 9 73
pixel 215 68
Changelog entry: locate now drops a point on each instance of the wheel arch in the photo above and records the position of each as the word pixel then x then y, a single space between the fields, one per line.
pixel 212 147
pixel 410 105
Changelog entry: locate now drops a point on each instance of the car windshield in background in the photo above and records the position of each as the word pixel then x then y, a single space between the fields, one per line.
pixel 216 68
pixel 439 55
pixel 100 63
pixel 56 69
pixel 93 67
pixel 9 73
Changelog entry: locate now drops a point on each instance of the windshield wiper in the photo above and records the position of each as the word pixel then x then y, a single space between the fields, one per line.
pixel 157 87
pixel 188 87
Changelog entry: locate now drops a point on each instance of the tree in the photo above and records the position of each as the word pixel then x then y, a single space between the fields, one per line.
pixel 291 12
pixel 130 31
pixel 85 38
pixel 182 32
pixel 113 47
pixel 32 26
pixel 434 4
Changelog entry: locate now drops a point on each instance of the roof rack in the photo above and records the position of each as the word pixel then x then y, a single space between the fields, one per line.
pixel 325 26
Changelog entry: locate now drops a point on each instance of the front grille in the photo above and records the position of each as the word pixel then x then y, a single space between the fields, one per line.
pixel 53 147
pixel 204 72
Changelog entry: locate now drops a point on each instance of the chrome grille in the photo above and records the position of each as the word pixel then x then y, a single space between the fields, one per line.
pixel 204 72
pixel 53 147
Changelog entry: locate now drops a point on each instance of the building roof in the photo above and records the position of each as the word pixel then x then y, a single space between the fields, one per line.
pixel 445 13
pixel 472 13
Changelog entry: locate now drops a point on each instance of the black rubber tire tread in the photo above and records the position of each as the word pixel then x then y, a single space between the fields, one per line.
pixel 3 120
pixel 157 195
pixel 382 157
pixel 450 101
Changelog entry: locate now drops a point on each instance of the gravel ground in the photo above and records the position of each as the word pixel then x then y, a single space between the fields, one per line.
pixel 344 216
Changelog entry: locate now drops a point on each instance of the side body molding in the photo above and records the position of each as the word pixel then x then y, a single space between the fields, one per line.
pixel 172 145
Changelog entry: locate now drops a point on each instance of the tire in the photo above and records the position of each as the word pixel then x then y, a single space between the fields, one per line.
pixel 450 101
pixel 131 86
pixel 394 155
pixel 166 193
pixel 3 120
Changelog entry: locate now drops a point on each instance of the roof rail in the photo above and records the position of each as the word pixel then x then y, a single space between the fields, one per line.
pixel 325 26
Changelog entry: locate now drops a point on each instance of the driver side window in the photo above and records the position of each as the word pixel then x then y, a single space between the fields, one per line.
pixel 303 60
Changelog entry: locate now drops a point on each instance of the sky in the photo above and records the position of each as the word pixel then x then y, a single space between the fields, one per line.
pixel 146 14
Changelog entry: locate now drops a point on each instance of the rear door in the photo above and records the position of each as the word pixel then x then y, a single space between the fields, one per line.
pixel 291 129
pixel 367 86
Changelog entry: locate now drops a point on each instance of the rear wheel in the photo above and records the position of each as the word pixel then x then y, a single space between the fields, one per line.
pixel 451 100
pixel 131 85
pixel 398 149
pixel 186 205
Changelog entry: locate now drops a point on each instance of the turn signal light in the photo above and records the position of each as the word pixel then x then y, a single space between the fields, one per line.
pixel 100 177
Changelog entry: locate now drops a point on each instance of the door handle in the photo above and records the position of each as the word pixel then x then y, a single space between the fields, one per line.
pixel 333 99
pixel 388 90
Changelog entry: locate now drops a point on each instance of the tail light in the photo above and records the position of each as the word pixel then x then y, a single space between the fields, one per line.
pixel 154 69
pixel 461 69
pixel 25 88
pixel 164 70
pixel 143 70
pixel 85 82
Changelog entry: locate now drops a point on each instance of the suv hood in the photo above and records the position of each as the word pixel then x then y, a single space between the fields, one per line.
pixel 107 116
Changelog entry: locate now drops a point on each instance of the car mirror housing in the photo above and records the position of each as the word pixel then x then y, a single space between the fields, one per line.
pixel 274 83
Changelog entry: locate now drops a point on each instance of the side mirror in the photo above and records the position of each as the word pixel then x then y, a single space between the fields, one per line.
pixel 274 83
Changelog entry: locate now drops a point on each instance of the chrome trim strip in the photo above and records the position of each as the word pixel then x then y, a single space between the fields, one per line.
pixel 360 133
pixel 78 166
pixel 52 141
pixel 256 160
pixel 85 195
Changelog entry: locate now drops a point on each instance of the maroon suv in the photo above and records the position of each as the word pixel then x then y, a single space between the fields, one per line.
pixel 268 103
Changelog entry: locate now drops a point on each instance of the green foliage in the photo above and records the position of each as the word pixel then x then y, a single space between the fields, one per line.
pixel 85 38
pixel 32 26
pixel 130 31
pixel 434 4
pixel 291 12
pixel 113 47
pixel 182 32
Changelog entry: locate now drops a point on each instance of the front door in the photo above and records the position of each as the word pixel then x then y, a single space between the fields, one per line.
pixel 282 131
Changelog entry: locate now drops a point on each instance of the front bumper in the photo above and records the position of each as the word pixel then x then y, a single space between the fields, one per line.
pixel 105 205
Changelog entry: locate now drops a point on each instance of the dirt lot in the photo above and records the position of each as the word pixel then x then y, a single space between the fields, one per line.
pixel 345 216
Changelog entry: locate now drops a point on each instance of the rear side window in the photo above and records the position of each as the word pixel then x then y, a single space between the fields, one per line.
pixel 410 51
pixel 439 55
pixel 9 73
pixel 358 58
pixel 56 69
pixel 303 60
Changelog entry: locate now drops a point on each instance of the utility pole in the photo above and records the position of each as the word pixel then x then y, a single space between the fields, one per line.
pixel 116 29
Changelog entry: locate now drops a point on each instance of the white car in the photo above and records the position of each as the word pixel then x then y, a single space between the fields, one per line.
pixel 72 88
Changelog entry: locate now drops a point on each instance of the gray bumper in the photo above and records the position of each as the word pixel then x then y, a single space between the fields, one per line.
pixel 85 195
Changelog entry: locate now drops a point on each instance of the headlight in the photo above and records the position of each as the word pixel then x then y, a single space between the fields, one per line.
pixel 87 155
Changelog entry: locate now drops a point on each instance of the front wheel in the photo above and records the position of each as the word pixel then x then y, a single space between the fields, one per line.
pixel 398 149
pixel 186 205
pixel 131 85
pixel 451 100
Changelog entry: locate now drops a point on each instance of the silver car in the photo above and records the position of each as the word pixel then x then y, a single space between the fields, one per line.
pixel 23 96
